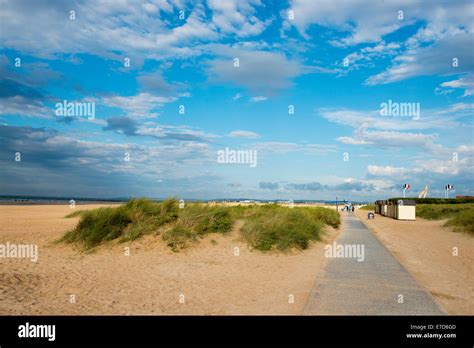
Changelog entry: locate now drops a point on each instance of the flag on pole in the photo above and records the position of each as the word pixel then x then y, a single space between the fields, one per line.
pixel 448 188
pixel 405 187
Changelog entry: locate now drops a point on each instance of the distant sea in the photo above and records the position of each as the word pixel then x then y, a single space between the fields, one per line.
pixel 5 200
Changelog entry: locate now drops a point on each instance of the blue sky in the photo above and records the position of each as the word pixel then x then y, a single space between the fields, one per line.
pixel 335 64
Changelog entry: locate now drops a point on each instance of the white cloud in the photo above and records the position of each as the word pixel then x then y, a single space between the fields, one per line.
pixel 258 99
pixel 21 105
pixel 352 141
pixel 366 56
pixel 447 167
pixel 429 119
pixel 320 148
pixel 436 59
pixel 256 69
pixel 143 105
pixel 195 28
pixel 436 167
pixel 113 28
pixel 237 96
pixel 466 83
pixel 392 139
pixel 243 134
pixel 237 17
pixel 369 21
pixel 386 171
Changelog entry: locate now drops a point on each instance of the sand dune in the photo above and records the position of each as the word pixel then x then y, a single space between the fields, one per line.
pixel 151 280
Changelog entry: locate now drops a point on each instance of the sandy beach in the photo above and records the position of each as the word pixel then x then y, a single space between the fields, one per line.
pixel 425 249
pixel 208 277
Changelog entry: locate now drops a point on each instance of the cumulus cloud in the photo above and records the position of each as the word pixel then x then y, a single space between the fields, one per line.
pixel 368 21
pixel 237 17
pixel 110 29
pixel 255 70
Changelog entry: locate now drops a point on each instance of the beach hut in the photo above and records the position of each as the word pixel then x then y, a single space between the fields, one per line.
pixel 377 208
pixel 384 208
pixel 390 209
pixel 405 209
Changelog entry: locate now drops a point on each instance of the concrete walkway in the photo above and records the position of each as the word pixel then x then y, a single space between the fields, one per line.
pixel 370 287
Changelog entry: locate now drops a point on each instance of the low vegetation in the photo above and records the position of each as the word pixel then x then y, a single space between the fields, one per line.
pixel 127 222
pixel 460 216
pixel 195 221
pixel 435 200
pixel 265 227
pixel 281 228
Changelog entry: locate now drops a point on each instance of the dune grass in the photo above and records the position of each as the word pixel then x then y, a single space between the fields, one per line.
pixel 274 227
pixel 127 222
pixel 460 216
pixel 265 227
pixel 195 221
pixel 368 207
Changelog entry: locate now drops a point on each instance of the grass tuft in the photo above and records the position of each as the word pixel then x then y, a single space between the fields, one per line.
pixel 127 222
pixel 265 227
pixel 460 216
pixel 274 227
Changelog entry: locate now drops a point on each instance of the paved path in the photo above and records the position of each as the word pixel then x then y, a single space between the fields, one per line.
pixel 371 287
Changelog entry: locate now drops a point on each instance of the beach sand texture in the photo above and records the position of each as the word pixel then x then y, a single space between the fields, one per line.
pixel 149 281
